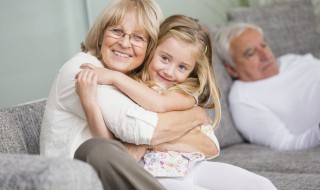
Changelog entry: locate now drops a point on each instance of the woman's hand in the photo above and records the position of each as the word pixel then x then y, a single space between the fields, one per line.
pixel 104 75
pixel 136 151
pixel 192 141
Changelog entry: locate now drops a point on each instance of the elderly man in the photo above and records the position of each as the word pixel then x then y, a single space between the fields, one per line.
pixel 274 102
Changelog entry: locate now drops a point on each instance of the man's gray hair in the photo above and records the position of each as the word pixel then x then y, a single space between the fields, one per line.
pixel 224 36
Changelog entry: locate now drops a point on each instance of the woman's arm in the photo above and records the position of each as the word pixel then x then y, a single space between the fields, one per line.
pixel 142 94
pixel 192 141
pixel 172 125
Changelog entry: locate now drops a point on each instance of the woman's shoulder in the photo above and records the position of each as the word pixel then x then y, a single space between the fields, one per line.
pixel 72 66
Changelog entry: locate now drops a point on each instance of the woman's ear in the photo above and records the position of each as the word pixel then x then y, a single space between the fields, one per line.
pixel 232 71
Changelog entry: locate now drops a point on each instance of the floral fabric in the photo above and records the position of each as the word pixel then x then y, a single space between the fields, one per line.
pixel 170 164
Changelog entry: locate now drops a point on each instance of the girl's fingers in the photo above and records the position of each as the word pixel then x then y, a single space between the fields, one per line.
pixel 87 75
pixel 88 65
pixel 79 75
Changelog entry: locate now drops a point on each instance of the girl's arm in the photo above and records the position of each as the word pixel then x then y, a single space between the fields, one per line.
pixel 86 88
pixel 141 94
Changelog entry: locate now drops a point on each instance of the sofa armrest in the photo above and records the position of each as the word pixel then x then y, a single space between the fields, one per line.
pixel 42 173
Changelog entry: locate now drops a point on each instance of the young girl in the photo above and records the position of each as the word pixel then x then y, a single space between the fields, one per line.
pixel 180 73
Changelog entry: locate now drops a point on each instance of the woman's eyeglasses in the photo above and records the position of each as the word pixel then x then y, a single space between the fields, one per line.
pixel 135 39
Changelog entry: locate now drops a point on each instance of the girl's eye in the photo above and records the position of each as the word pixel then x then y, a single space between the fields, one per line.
pixel 165 58
pixel 182 67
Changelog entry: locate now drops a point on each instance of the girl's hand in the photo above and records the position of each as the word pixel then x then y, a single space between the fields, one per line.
pixel 104 75
pixel 86 87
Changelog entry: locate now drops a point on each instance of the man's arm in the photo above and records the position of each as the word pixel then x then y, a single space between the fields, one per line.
pixel 261 126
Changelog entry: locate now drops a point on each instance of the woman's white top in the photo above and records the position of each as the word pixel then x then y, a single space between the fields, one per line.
pixel 64 126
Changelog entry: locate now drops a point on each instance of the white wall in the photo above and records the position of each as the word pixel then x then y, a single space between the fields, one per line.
pixel 38 36
pixel 208 11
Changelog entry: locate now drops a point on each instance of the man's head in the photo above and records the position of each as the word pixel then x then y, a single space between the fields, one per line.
pixel 244 52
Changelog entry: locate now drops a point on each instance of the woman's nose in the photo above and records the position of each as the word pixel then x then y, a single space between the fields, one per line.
pixel 125 41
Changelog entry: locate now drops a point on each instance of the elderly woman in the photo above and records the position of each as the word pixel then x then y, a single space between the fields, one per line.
pixel 120 40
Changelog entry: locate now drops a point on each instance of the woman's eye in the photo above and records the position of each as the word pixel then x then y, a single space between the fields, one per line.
pixel 118 31
pixel 137 37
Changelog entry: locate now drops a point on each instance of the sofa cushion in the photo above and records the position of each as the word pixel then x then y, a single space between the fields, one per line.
pixel 289 27
pixel 293 181
pixel 40 173
pixel 226 133
pixel 11 134
pixel 288 170
pixel 264 159
pixel 20 128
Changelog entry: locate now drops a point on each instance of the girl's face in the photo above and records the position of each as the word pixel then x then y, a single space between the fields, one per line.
pixel 172 62
pixel 126 53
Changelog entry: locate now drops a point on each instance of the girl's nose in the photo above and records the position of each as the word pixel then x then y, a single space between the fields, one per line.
pixel 169 71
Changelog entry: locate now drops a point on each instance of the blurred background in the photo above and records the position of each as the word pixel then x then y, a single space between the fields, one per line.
pixel 38 36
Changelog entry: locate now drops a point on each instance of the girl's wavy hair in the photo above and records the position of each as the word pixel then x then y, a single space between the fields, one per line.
pixel 148 12
pixel 202 80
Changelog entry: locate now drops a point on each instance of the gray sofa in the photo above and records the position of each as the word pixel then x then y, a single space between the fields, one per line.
pixel 21 166
pixel 289 27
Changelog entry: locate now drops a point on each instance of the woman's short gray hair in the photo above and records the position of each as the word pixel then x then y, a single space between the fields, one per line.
pixel 224 36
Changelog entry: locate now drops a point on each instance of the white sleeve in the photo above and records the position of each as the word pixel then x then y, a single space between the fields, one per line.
pixel 208 130
pixel 67 97
pixel 127 120
pixel 259 125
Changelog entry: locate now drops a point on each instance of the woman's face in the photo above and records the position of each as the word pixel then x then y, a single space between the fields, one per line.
pixel 172 62
pixel 118 53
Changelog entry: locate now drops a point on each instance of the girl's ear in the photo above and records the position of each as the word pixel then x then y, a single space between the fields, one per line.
pixel 232 71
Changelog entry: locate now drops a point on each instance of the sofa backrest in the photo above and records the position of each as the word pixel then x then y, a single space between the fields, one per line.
pixel 289 27
pixel 20 128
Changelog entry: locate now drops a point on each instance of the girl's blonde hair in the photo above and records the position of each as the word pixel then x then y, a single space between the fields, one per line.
pixel 149 14
pixel 202 80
